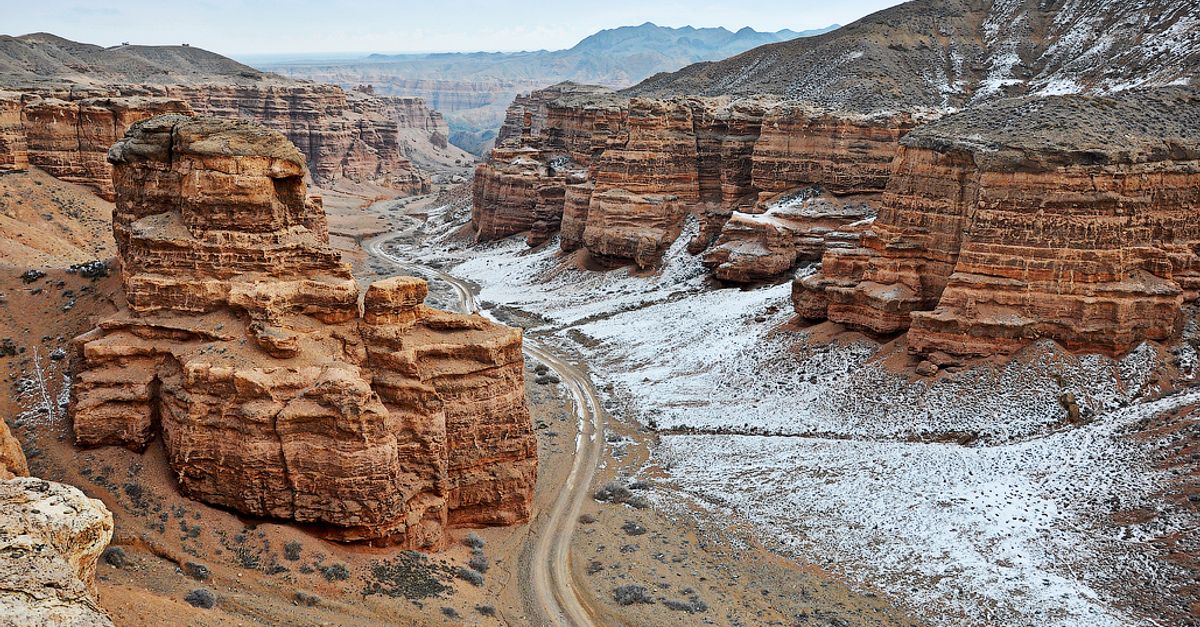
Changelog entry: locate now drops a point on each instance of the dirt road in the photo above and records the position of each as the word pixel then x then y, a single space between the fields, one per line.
pixel 549 577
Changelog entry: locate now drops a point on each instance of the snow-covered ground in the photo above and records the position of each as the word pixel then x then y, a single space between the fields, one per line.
pixel 1011 529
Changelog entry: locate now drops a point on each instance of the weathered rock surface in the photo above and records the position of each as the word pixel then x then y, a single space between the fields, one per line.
pixel 12 458
pixel 243 345
pixel 755 247
pixel 14 149
pixel 844 153
pixel 1070 218
pixel 51 536
pixel 344 135
pixel 69 139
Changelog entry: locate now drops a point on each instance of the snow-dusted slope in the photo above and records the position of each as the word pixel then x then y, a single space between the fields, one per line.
pixel 951 53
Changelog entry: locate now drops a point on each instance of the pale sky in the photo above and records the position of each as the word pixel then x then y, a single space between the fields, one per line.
pixel 236 27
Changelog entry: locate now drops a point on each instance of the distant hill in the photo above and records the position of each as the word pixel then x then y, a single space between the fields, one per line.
pixel 473 89
pixel 40 58
pixel 953 53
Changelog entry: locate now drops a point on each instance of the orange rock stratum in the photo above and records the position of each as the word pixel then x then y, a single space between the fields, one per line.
pixel 244 344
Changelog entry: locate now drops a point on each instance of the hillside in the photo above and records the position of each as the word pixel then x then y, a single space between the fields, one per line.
pixel 472 89
pixel 952 53
pixel 41 58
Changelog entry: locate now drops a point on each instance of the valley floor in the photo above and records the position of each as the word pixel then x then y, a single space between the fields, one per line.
pixel 968 498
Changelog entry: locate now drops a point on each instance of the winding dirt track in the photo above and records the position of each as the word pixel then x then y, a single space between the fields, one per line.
pixel 549 576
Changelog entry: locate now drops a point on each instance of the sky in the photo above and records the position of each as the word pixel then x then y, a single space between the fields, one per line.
pixel 249 27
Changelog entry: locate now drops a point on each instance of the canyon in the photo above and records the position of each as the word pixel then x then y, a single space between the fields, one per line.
pixel 473 89
pixel 63 120
pixel 909 240
pixel 392 425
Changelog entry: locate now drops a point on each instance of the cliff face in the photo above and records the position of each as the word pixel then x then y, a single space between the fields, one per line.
pixel 69 118
pixel 69 140
pixel 802 145
pixel 1068 218
pixel 637 167
pixel 243 345
pixel 51 537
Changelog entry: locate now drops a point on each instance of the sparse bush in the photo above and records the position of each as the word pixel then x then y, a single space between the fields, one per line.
pixel 594 567
pixel 587 519
pixel 633 529
pixel 692 606
pixel 201 598
pixel 336 572
pixel 115 556
pixel 291 551
pixel 478 562
pixel 472 577
pixel 307 599
pixel 474 541
pixel 612 492
pixel 450 613
pixel 632 593
pixel 485 610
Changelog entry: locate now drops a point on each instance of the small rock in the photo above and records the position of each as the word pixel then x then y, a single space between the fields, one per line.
pixel 926 369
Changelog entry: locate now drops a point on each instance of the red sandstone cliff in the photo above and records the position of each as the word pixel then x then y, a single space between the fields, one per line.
pixel 1070 218
pixel 243 345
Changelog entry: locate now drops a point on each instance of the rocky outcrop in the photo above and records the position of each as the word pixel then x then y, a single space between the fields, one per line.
pixel 12 458
pixel 755 247
pixel 14 150
pixel 51 536
pixel 1069 218
pixel 342 135
pixel 69 139
pixel 243 345
pixel 78 99
pixel 650 162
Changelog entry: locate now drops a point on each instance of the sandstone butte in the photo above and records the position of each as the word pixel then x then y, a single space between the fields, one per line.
pixel 244 345
pixel 51 536
pixel 618 176
pixel 343 136
pixel 1066 217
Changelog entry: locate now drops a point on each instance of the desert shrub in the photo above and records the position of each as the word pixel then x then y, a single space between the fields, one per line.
pixel 201 598
pixel 291 551
pixel 307 599
pixel 632 593
pixel 472 577
pixel 115 556
pixel 336 572
pixel 474 541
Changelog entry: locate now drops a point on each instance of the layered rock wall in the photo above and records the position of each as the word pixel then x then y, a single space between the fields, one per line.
pixel 343 136
pixel 69 139
pixel 1065 218
pixel 14 149
pixel 843 153
pixel 711 155
pixel 244 347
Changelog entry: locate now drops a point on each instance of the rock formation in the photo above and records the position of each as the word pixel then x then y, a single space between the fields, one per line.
pixel 12 458
pixel 51 536
pixel 1067 217
pixel 243 345
pixel 68 119
pixel 756 247
pixel 634 169
pixel 69 139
